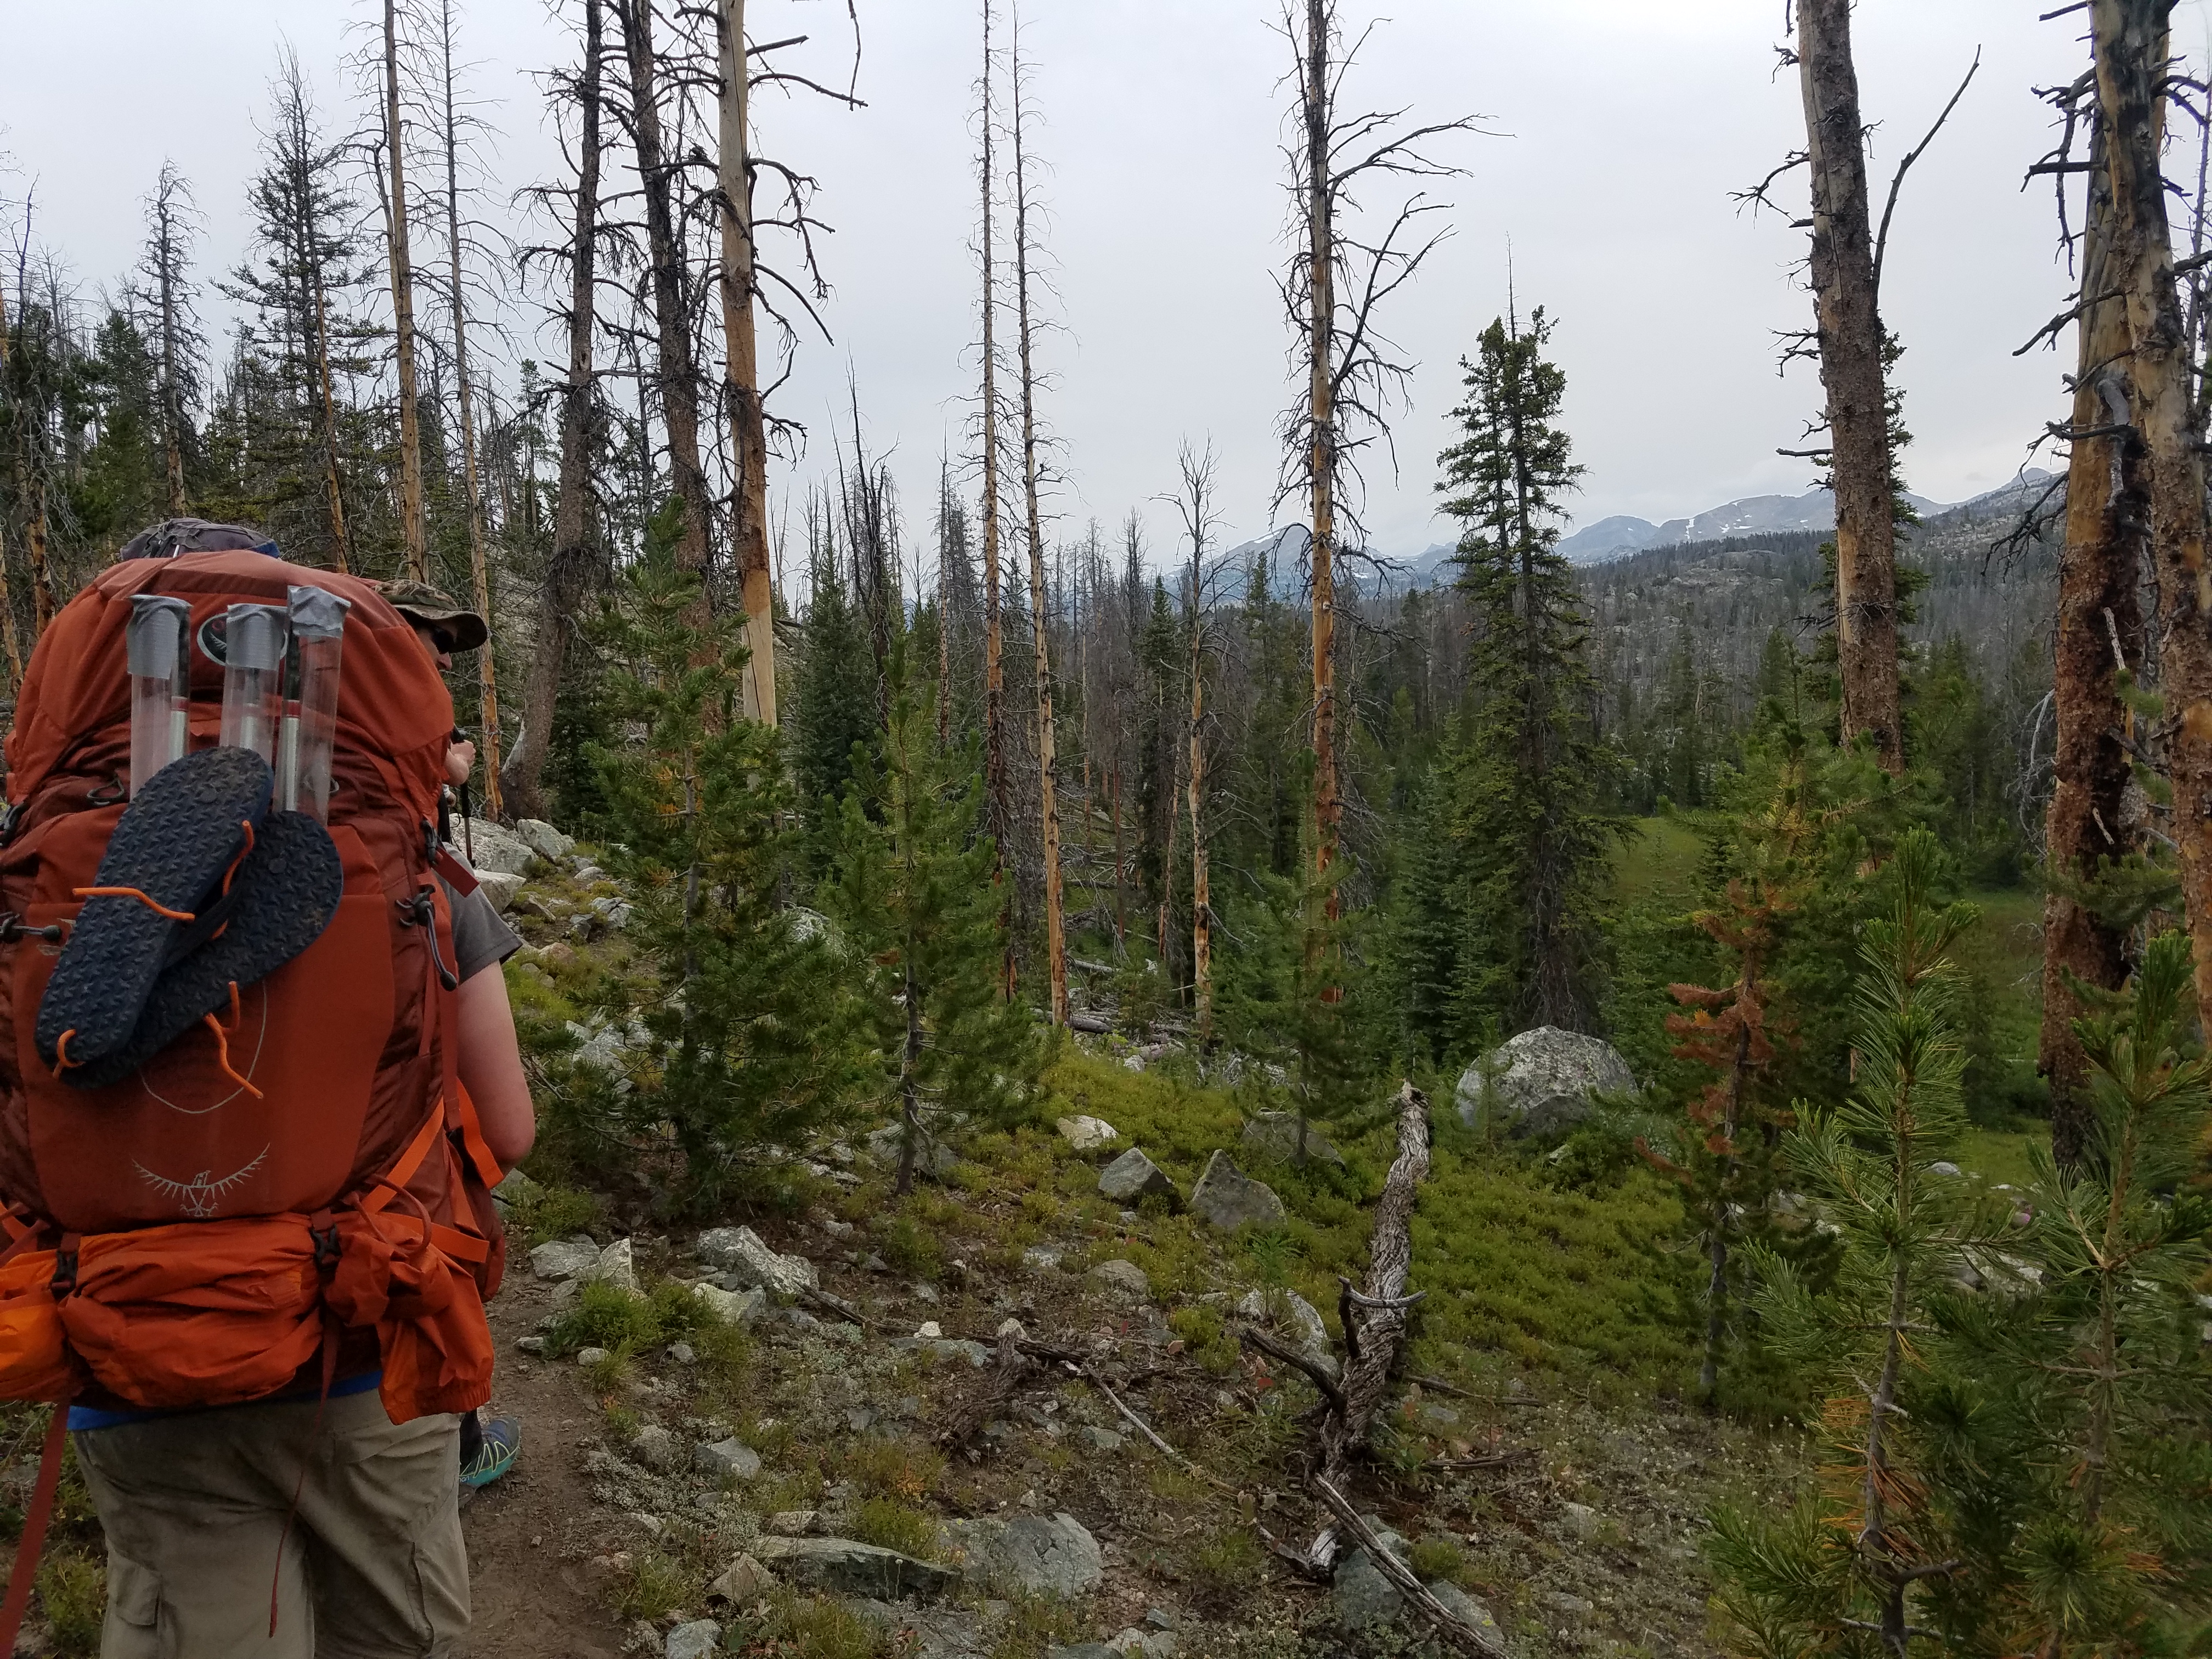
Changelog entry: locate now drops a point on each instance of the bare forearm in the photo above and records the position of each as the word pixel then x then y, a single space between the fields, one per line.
pixel 490 1066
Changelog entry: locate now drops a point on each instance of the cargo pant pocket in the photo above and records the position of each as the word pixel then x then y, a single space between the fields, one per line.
pixel 132 1629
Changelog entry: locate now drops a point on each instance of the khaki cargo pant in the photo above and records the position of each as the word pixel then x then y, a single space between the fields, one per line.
pixel 194 1505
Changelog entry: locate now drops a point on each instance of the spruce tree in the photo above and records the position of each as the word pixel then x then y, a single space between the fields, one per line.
pixel 749 1026
pixel 911 887
pixel 1528 762
pixel 834 705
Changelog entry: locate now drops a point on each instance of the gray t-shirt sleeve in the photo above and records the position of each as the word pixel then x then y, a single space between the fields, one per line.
pixel 481 937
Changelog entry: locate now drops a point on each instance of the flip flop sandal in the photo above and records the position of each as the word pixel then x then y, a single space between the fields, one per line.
pixel 282 898
pixel 193 821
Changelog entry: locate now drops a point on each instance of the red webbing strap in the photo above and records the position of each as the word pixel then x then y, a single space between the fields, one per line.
pixel 460 1246
pixel 32 1543
pixel 462 879
pixel 472 1141
pixel 410 1161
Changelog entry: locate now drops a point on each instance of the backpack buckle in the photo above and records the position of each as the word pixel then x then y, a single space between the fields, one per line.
pixel 327 1247
pixel 64 1279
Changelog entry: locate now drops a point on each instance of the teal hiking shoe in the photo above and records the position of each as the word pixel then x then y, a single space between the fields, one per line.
pixel 498 1441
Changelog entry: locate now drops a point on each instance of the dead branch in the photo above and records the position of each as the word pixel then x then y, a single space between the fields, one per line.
pixel 1375 1320
pixel 1090 1374
pixel 1881 237
pixel 1462 1635
pixel 1315 1373
pixel 1014 1368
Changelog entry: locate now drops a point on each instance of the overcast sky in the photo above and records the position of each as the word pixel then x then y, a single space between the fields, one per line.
pixel 1621 128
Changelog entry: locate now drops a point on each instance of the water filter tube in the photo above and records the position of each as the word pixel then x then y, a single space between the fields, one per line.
pixel 310 704
pixel 156 639
pixel 254 637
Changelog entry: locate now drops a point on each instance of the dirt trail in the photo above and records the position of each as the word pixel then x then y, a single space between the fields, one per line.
pixel 530 1533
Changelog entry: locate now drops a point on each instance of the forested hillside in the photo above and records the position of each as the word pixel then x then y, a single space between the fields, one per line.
pixel 1103 1091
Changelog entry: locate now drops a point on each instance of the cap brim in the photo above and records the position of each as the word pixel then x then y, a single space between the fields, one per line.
pixel 466 627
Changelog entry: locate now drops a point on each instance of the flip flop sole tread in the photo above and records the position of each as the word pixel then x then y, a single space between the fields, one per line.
pixel 172 843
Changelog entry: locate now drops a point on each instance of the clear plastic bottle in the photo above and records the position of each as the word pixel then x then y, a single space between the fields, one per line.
pixel 253 641
pixel 157 641
pixel 311 702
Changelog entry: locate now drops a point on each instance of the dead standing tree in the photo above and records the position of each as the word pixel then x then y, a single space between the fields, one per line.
pixel 567 567
pixel 2129 40
pixel 1055 930
pixel 451 122
pixel 2088 827
pixel 403 305
pixel 1333 290
pixel 171 225
pixel 1194 504
pixel 1851 346
pixel 997 788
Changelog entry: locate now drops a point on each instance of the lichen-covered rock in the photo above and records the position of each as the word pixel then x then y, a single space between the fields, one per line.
pixel 1126 1277
pixel 617 1265
pixel 730 1459
pixel 1272 1138
pixel 1087 1134
pixel 564 1258
pixel 699 1638
pixel 1052 1555
pixel 851 1568
pixel 745 1260
pixel 499 887
pixel 1230 1199
pixel 1540 1084
pixel 487 846
pixel 731 1307
pixel 1132 1177
pixel 543 839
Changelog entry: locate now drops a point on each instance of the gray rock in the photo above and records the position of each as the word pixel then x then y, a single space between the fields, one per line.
pixel 1540 1083
pixel 564 1258
pixel 972 1353
pixel 682 1353
pixel 1101 1440
pixel 747 1261
pixel 655 1447
pixel 1229 1200
pixel 1087 1133
pixel 1945 1167
pixel 499 887
pixel 1272 1138
pixel 516 1187
pixel 730 1459
pixel 1467 1609
pixel 698 1639
pixel 1364 1598
pixel 1581 1520
pixel 1040 1258
pixel 1567 1602
pixel 851 1568
pixel 731 1307
pixel 1052 1555
pixel 532 1345
pixel 1294 1316
pixel 743 1583
pixel 1132 1177
pixel 617 1265
pixel 791 1523
pixel 488 847
pixel 1126 1277
pixel 587 1356
pixel 543 839
pixel 932 1156
pixel 1083 1650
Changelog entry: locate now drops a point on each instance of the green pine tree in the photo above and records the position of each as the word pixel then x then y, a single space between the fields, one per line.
pixel 911 886
pixel 1847 1572
pixel 1530 763
pixel 747 1010
pixel 834 704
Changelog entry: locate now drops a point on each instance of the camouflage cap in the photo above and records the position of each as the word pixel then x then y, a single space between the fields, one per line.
pixel 419 602
pixel 172 537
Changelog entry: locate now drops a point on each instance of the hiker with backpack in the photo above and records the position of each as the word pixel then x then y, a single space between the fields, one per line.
pixel 258 1087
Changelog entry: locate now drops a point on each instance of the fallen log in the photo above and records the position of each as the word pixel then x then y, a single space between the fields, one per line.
pixel 1455 1630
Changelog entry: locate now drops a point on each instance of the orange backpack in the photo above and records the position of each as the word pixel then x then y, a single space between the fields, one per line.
pixel 171 1239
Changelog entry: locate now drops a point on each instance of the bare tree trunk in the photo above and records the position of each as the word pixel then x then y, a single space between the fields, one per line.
pixel 997 790
pixel 562 591
pixel 403 312
pixel 1055 933
pixel 167 259
pixel 944 601
pixel 479 561
pixel 674 367
pixel 2130 42
pixel 910 1123
pixel 1201 889
pixel 1120 892
pixel 1851 342
pixel 2099 623
pixel 1321 462
pixel 7 599
pixel 741 375
pixel 42 577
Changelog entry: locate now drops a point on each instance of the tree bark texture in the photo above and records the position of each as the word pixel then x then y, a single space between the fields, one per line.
pixel 1849 334
pixel 562 590
pixel 741 375
pixel 674 368
pixel 2099 622
pixel 1322 455
pixel 173 407
pixel 1374 1323
pixel 403 312
pixel 997 787
pixel 2131 44
pixel 1055 929
pixel 479 561
pixel 1201 889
